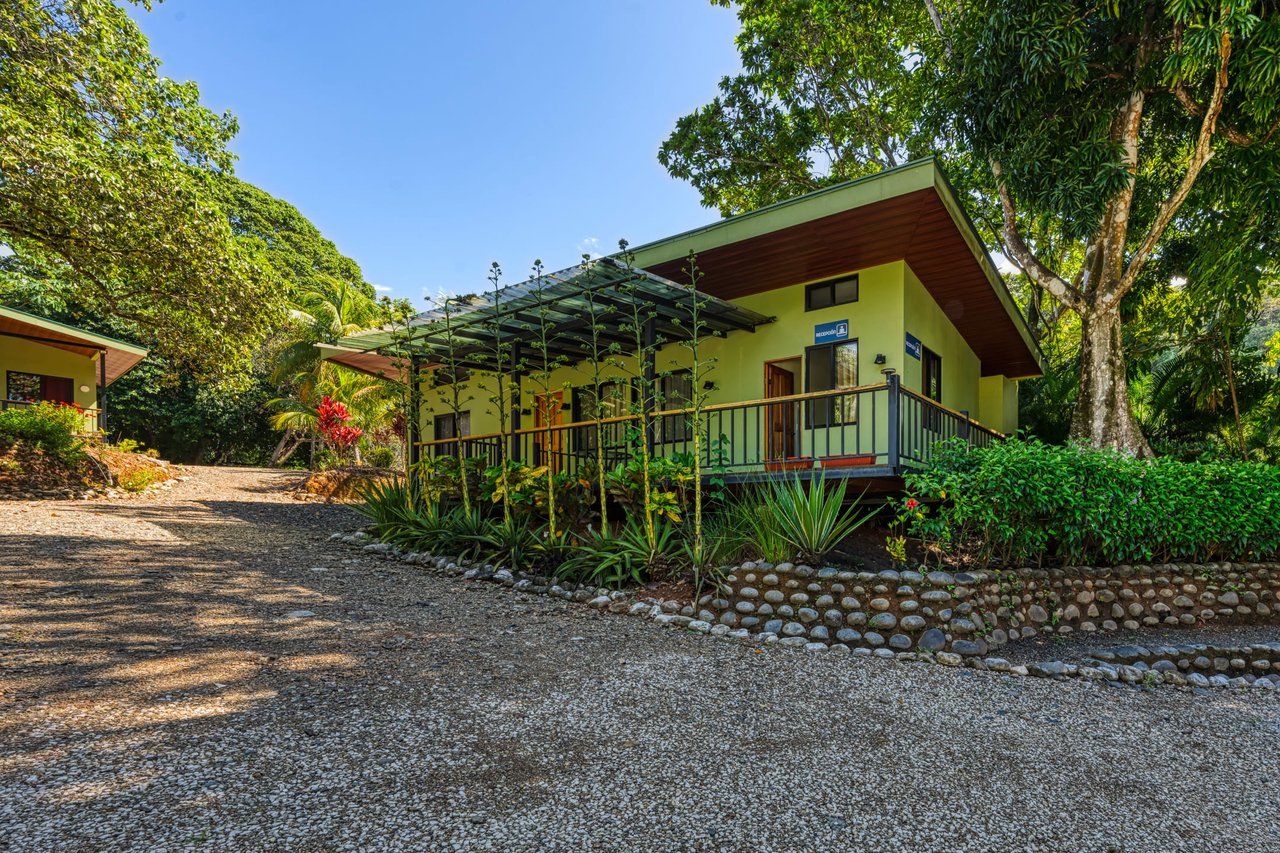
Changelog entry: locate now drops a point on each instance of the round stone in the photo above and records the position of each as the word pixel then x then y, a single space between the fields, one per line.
pixel 833 617
pixel 912 623
pixel 745 607
pixel 799 598
pixel 856 619
pixel 748 592
pixel 850 603
pixel 807 614
pixel 879 604
pixel 793 629
pixel 774 596
pixel 932 640
pixel 873 639
pixel 848 635
pixel 819 632
pixel 901 642
pixel 883 621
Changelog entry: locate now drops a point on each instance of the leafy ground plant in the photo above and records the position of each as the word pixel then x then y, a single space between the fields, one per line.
pixel 811 517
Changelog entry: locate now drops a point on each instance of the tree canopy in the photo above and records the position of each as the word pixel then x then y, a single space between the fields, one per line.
pixel 1106 148
pixel 109 182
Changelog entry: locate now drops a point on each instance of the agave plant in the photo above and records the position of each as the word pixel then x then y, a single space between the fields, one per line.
pixel 812 518
pixel 389 505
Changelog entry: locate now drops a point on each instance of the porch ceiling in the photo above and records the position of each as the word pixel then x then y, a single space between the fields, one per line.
pixel 910 213
pixel 120 356
pixel 571 304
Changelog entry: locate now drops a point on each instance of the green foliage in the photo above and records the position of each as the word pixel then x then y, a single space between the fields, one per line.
pixel 48 426
pixel 629 556
pixel 108 176
pixel 380 457
pixel 137 480
pixel 811 516
pixel 828 91
pixel 753 516
pixel 1024 502
pixel 509 542
pixel 670 481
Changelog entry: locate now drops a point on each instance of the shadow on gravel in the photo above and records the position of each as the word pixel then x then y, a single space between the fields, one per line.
pixel 180 610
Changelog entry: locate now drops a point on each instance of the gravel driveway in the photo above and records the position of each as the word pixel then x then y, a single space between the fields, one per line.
pixel 154 695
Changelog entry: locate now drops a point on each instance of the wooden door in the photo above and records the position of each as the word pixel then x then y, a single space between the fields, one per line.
pixel 56 389
pixel 779 382
pixel 548 411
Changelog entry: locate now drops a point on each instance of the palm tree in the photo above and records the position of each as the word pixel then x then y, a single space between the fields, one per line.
pixel 324 316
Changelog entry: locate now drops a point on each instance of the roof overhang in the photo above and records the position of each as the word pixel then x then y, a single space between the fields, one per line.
pixel 589 309
pixel 119 356
pixel 371 362
pixel 910 213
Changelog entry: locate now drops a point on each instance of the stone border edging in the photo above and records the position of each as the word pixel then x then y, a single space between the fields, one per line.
pixel 1178 666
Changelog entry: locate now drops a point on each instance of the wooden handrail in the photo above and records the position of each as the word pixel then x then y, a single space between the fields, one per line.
pixel 718 407
pixel 970 418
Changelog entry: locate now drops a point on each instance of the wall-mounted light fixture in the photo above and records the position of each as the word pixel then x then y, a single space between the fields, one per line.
pixel 708 385
pixel 880 359
pixel 84 389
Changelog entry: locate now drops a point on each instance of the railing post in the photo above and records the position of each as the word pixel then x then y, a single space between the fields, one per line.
pixel 894 383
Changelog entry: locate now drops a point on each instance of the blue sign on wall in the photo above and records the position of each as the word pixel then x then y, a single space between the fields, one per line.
pixel 913 346
pixel 825 333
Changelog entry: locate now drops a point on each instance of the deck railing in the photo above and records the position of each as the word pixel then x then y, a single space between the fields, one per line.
pixel 871 430
pixel 90 415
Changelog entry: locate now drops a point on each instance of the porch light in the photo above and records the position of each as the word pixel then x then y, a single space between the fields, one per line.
pixel 880 359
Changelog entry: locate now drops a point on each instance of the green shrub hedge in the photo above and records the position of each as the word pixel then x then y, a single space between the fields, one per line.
pixel 48 426
pixel 1024 502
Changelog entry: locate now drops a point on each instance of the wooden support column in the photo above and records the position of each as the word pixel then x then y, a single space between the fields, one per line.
pixel 102 391
pixel 514 382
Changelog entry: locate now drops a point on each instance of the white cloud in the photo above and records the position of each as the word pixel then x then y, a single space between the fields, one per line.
pixel 589 246
pixel 382 288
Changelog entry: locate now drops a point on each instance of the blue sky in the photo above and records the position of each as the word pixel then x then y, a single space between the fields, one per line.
pixel 428 139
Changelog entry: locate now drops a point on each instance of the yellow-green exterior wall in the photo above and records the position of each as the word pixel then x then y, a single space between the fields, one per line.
pixel 891 302
pixel 26 356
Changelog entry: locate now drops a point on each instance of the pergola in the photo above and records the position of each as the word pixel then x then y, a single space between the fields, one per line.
pixel 570 316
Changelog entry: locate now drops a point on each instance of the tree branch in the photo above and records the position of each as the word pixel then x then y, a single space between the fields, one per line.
pixel 939 24
pixel 1200 155
pixel 1021 252
pixel 1230 131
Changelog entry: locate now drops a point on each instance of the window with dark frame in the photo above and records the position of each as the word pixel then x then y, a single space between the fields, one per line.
pixel 615 402
pixel 931 385
pixel 677 393
pixel 35 388
pixel 449 426
pixel 825 294
pixel 828 367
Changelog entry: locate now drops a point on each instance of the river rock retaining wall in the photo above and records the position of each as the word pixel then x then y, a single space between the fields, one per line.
pixel 974 613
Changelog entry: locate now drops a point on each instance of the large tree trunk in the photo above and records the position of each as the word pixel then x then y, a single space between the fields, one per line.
pixel 1103 415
